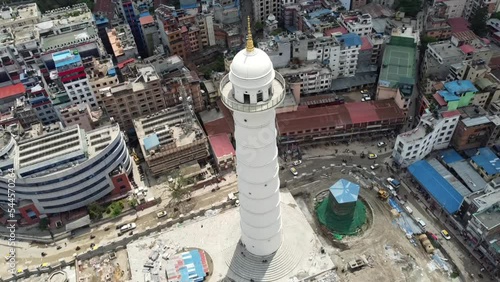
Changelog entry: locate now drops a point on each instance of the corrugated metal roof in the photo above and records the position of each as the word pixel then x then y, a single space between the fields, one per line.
pixel 488 160
pixel 469 176
pixel 449 177
pixel 439 187
pixel 460 86
pixel 345 191
pixel 475 121
pixel 451 156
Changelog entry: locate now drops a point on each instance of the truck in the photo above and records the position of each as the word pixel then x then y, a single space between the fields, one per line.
pixel 394 182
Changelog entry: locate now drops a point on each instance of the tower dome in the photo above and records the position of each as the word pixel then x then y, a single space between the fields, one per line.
pixel 252 65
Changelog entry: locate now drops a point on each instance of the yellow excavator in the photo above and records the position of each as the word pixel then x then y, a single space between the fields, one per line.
pixel 383 194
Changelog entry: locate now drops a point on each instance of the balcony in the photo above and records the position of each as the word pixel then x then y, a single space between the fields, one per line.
pixel 227 96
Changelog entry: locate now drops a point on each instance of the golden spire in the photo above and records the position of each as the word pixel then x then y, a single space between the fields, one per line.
pixel 250 46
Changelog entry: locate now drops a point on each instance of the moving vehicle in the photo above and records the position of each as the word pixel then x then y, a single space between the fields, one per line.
pixel 381 144
pixel 383 195
pixel 294 171
pixel 364 91
pixel 374 166
pixel 161 214
pixel 297 162
pixel 408 209
pixel 128 227
pixel 372 156
pixel 445 234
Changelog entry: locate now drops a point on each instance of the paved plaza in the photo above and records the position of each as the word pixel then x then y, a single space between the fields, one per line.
pixel 219 235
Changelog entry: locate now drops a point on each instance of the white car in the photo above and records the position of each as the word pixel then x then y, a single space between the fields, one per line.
pixel 381 144
pixel 297 162
pixel 374 166
pixel 161 214
pixel 294 171
pixel 128 227
pixel 420 222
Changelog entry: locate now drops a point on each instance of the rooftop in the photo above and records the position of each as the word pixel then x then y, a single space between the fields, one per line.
pixel 68 15
pixel 314 67
pixel 221 145
pixel 68 39
pixel 350 39
pixel 398 66
pixel 460 86
pixel 487 160
pixel 469 176
pixel 490 217
pixel 345 191
pixel 458 24
pixel 338 115
pixel 487 200
pixel 120 38
pixel 450 156
pixel 20 14
pixel 12 90
pixel 438 183
pixel 445 49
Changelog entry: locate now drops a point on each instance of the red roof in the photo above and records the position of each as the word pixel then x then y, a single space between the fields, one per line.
pixel 222 125
pixel 146 20
pixel 330 116
pixel 458 24
pixel 340 29
pixel 221 145
pixel 126 62
pixel 467 49
pixel 439 99
pixel 366 44
pixel 12 90
pixel 105 7
pixel 451 114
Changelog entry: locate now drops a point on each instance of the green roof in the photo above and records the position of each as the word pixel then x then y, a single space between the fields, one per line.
pixel 60 99
pixel 483 83
pixel 398 66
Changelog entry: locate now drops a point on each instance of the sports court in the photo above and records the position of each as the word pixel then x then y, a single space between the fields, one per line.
pixel 398 65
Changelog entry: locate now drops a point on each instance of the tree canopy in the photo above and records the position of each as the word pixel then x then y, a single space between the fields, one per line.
pixel 478 22
pixel 409 7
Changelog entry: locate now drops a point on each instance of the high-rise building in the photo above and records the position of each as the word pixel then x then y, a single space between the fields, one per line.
pixel 253 90
pixel 263 8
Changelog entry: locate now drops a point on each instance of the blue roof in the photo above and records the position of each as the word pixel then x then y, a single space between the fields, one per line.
pixel 440 189
pixel 64 58
pixel 192 270
pixel 100 20
pixel 192 6
pixel 319 13
pixel 112 72
pixel 144 14
pixel 460 86
pixel 345 191
pixel 447 96
pixel 488 160
pixel 351 39
pixel 450 156
pixel 151 141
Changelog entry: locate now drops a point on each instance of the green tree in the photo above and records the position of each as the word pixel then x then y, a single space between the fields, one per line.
pixel 44 223
pixel 178 189
pixel 409 7
pixel 478 22
pixel 116 208
pixel 133 202
pixel 95 211
pixel 495 15
pixel 425 40
pixel 258 26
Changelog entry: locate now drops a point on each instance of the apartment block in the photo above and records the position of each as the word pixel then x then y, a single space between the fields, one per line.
pixel 139 96
pixel 433 132
pixel 184 80
pixel 184 33
pixel 41 103
pixel 101 73
pixel 308 79
pixel 170 138
pixel 263 8
pixel 356 22
pixel 131 12
pixel 19 16
pixel 437 28
pixel 122 42
pixel 149 32
pixel 76 115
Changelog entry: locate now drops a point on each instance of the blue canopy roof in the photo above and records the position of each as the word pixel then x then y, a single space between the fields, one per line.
pixel 451 156
pixel 440 189
pixel 488 160
pixel 447 96
pixel 151 141
pixel 460 86
pixel 345 191
pixel 351 39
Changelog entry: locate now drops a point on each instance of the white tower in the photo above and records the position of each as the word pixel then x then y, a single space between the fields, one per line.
pixel 252 90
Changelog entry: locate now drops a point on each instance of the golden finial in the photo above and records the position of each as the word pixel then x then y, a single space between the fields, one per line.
pixel 250 46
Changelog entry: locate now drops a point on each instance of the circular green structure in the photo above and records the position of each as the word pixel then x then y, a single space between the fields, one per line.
pixel 341 212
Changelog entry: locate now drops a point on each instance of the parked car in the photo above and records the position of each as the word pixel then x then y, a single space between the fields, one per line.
pixel 297 162
pixel 374 166
pixel 372 156
pixel 445 234
pixel 365 91
pixel 294 171
pixel 161 214
pixel 128 227
pixel 381 144
pixel 420 222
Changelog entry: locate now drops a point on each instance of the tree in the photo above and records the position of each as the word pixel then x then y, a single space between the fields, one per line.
pixel 95 211
pixel 44 223
pixel 133 202
pixel 115 208
pixel 478 22
pixel 425 40
pixel 179 191
pixel 495 15
pixel 258 26
pixel 410 7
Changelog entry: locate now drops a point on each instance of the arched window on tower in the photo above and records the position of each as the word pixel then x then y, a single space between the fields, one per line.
pixel 246 98
pixel 270 92
pixel 260 97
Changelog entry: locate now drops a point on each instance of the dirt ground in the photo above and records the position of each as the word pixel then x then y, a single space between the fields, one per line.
pixel 105 269
pixel 391 257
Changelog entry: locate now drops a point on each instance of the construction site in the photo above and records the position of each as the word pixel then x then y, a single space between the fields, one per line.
pixel 382 244
pixel 109 267
pixel 171 137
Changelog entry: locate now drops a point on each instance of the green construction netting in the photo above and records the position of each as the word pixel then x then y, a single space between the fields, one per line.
pixel 341 224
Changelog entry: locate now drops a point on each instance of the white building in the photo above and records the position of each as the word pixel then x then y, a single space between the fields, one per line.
pixel 263 8
pixel 252 90
pixel 434 132
pixel 358 23
pixel 64 169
